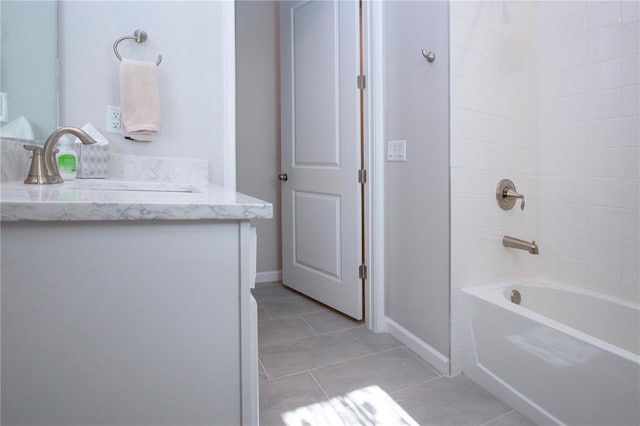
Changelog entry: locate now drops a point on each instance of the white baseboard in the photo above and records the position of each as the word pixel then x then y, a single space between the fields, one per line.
pixel 426 352
pixel 268 276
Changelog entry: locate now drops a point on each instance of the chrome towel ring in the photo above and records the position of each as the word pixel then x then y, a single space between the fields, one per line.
pixel 139 36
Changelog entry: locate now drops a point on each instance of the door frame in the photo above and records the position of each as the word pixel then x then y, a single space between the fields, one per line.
pixel 373 33
pixel 228 30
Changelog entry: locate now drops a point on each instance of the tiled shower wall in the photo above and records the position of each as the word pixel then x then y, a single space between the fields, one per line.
pixel 493 136
pixel 545 94
pixel 588 144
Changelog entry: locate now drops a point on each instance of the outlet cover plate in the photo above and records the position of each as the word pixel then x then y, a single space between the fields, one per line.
pixel 114 122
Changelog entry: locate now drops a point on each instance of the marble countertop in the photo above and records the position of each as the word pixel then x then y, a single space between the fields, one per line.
pixel 107 200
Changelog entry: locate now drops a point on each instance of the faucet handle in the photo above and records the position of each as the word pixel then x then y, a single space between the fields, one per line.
pixel 506 195
pixel 36 171
pixel 33 148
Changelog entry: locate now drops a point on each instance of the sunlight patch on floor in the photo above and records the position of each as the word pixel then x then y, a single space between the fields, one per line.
pixel 366 406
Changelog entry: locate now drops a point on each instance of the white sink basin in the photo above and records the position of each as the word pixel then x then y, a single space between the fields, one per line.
pixel 110 185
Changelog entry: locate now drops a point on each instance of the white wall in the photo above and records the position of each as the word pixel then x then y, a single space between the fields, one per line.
pixel 493 136
pixel 190 37
pixel 417 191
pixel 589 144
pixel 258 121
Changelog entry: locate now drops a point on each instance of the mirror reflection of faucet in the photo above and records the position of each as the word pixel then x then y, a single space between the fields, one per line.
pixel 506 194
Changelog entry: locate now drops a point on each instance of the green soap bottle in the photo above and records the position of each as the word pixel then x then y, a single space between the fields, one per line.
pixel 67 159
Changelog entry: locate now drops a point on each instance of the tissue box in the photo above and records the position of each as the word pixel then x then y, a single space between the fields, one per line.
pixel 93 161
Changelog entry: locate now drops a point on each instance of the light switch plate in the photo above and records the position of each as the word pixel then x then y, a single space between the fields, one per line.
pixel 397 150
pixel 4 112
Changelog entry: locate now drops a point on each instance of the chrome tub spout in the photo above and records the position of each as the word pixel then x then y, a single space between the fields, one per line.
pixel 517 243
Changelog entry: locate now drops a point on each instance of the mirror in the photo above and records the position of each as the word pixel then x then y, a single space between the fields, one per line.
pixel 28 69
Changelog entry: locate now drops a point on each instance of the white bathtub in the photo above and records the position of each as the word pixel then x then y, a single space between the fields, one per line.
pixel 564 355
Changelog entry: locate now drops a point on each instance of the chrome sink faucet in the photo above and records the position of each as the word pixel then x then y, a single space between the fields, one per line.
pixel 44 167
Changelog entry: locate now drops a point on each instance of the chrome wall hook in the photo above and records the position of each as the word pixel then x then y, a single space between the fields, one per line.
pixel 429 55
pixel 138 36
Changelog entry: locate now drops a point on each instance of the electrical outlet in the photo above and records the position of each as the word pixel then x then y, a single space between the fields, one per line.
pixel 113 119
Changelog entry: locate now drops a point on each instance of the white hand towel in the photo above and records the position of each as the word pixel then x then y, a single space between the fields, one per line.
pixel 139 99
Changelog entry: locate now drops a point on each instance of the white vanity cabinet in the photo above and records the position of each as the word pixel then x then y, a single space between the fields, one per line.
pixel 128 322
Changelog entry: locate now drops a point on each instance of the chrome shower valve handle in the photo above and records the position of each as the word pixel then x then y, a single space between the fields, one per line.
pixel 506 195
pixel 510 194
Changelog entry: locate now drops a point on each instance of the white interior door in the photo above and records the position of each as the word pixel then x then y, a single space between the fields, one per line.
pixel 321 216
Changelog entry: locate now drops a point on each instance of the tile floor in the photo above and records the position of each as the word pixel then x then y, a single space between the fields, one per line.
pixel 318 367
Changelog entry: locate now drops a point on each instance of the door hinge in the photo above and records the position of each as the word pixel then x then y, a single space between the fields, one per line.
pixel 362 82
pixel 362 272
pixel 362 176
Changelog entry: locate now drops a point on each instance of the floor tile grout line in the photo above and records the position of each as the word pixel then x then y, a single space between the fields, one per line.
pixel 335 363
pixel 289 315
pixel 416 385
pixel 266 373
pixel 288 340
pixel 400 345
pixel 308 337
pixel 378 353
pixel 272 299
pixel 307 322
pixel 265 311
pixel 293 294
pixel 356 337
pixel 319 385
pixel 304 297
pixel 329 398
pixel 496 418
pixel 298 313
pixel 339 329
pixel 419 358
pixel 288 375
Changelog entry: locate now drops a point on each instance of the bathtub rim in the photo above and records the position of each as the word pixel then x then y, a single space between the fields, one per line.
pixel 492 293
